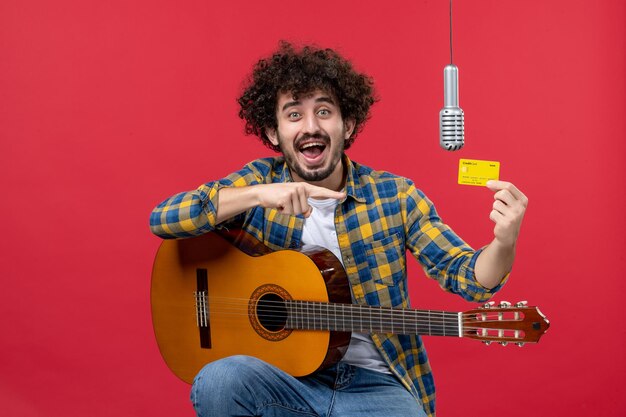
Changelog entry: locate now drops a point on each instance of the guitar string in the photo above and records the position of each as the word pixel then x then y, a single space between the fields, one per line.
pixel 300 323
pixel 435 329
pixel 326 321
pixel 356 313
pixel 246 301
pixel 409 328
pixel 356 322
pixel 331 317
pixel 487 314
pixel 494 309
pixel 385 319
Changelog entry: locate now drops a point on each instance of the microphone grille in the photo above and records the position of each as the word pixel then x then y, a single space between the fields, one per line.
pixel 451 128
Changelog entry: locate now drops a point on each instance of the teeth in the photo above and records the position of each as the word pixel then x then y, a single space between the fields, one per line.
pixel 310 145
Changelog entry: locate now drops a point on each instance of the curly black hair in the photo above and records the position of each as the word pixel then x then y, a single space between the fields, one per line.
pixel 301 72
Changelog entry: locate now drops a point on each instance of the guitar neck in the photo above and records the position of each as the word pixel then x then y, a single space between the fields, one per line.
pixel 311 315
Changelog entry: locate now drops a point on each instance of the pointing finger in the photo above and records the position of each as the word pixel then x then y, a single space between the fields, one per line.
pixel 321 192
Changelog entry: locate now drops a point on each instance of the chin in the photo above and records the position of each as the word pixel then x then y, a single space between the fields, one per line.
pixel 315 174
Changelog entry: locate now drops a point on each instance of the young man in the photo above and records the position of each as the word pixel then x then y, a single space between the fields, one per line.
pixel 309 104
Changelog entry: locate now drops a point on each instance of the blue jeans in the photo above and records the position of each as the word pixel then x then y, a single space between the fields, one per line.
pixel 246 386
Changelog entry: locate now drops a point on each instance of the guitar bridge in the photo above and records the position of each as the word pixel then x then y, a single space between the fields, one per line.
pixel 202 308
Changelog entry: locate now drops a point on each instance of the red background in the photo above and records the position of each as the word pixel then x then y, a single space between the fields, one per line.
pixel 108 107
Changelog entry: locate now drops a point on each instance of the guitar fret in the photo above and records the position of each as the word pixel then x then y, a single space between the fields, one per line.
pixel 341 313
pixel 340 325
pixel 442 325
pixel 315 315
pixel 351 320
pixel 326 317
pixel 318 316
pixel 361 318
pixel 308 316
pixel 403 323
pixel 435 326
pixel 299 315
pixel 421 327
pixel 376 310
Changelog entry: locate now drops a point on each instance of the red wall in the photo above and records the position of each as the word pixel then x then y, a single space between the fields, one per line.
pixel 107 107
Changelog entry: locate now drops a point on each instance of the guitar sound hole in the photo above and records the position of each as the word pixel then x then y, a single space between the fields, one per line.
pixel 271 312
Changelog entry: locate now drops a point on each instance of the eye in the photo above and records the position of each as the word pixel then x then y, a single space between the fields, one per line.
pixel 324 112
pixel 293 115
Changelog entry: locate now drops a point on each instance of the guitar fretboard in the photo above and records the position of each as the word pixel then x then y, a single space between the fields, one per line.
pixel 311 315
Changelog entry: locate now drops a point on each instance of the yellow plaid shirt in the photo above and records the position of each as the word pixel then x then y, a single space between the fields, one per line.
pixel 382 216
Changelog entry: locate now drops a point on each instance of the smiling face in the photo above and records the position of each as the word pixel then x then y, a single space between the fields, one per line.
pixel 311 135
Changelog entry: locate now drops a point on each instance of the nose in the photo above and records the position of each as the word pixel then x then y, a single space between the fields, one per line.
pixel 311 124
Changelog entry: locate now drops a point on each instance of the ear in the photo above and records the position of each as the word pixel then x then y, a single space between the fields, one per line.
pixel 349 124
pixel 271 135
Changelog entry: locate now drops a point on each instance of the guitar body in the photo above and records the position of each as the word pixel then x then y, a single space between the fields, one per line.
pixel 231 283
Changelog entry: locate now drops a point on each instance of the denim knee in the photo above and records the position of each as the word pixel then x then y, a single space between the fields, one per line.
pixel 221 382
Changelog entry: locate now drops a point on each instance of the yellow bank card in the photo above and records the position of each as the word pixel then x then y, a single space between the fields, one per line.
pixel 476 172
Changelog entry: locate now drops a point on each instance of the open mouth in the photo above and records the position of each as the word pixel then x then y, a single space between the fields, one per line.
pixel 312 150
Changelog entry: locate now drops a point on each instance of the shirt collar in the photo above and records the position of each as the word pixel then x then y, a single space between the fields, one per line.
pixel 353 186
pixel 285 176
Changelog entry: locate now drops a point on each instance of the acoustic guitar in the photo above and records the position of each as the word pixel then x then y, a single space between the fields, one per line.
pixel 215 296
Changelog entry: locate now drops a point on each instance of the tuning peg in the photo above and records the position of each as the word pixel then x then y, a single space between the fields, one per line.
pixel 521 304
pixel 504 343
pixel 487 342
pixel 504 304
pixel 489 304
pixel 520 344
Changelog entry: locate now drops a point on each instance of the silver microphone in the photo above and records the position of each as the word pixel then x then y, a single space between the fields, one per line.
pixel 451 119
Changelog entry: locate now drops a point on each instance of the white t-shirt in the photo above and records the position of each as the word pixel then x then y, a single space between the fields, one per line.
pixel 319 229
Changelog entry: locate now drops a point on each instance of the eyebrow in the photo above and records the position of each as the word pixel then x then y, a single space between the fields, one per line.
pixel 323 99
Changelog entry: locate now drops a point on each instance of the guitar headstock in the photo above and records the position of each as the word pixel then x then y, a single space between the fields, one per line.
pixel 505 323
